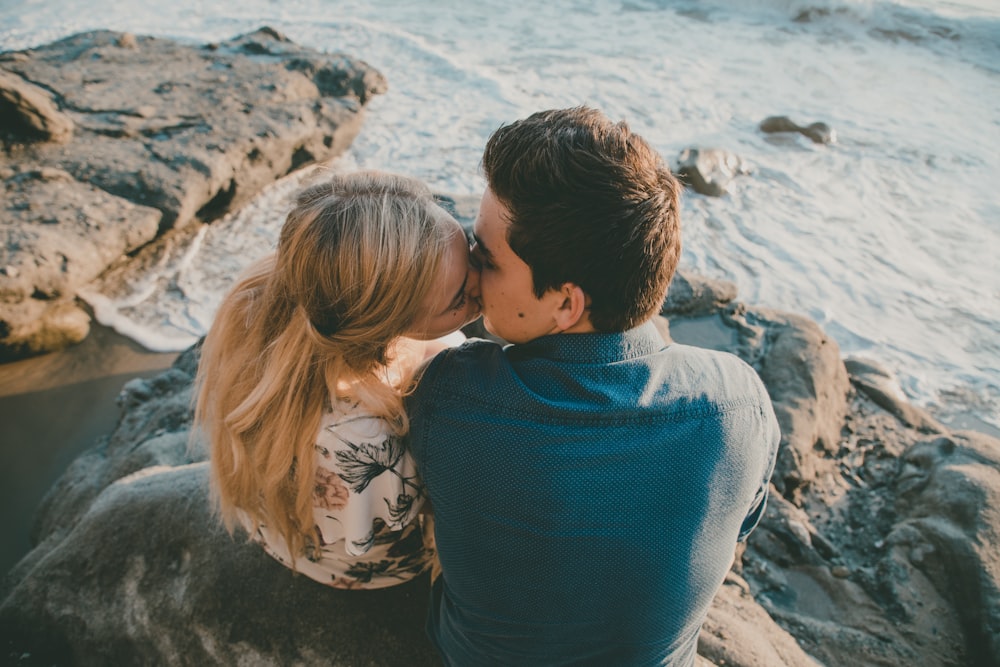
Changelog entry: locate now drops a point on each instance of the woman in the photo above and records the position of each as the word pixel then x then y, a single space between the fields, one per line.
pixel 299 386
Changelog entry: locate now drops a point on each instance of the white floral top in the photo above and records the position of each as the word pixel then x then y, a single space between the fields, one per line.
pixel 366 501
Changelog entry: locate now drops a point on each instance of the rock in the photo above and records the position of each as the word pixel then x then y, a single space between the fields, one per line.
pixel 949 530
pixel 227 119
pixel 128 41
pixel 819 133
pixel 808 385
pixel 845 560
pixel 46 260
pixel 84 229
pixel 693 295
pixel 879 384
pixel 738 632
pixel 150 129
pixel 708 170
pixel 34 327
pixel 785 538
pixel 28 111
pixel 903 565
pixel 147 577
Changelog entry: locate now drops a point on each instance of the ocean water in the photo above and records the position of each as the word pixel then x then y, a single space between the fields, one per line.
pixel 888 238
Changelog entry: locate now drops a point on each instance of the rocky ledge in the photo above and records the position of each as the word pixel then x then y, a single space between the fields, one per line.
pixel 110 140
pixel 879 545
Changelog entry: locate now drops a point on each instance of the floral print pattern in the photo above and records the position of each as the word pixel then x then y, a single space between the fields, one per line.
pixel 330 492
pixel 367 498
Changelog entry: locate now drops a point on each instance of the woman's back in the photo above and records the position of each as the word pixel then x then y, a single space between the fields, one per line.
pixel 366 500
pixel 299 386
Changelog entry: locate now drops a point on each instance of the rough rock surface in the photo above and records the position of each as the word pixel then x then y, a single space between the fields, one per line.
pixel 692 295
pixel 59 234
pixel 881 548
pixel 873 380
pixel 808 384
pixel 29 111
pixel 148 127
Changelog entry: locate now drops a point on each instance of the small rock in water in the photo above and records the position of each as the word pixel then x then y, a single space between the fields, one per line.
pixel 709 170
pixel 819 133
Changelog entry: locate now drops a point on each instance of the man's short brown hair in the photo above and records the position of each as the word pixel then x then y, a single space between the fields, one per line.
pixel 591 203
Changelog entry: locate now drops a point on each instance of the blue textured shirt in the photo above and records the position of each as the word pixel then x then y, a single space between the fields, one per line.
pixel 588 493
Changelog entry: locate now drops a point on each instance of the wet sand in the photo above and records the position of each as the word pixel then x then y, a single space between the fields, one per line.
pixel 52 408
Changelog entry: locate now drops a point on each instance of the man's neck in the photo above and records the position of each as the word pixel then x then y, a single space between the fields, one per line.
pixel 582 325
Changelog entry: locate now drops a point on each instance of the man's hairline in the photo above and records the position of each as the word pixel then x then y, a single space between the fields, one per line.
pixel 507 216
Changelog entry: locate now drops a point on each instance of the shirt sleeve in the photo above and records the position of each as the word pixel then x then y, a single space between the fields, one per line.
pixel 770 440
pixel 756 512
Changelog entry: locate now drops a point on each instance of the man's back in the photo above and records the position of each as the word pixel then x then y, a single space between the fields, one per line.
pixel 588 490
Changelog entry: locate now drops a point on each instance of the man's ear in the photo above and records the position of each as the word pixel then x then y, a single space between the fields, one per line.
pixel 571 313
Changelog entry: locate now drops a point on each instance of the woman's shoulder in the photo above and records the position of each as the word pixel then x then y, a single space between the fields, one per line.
pixel 347 421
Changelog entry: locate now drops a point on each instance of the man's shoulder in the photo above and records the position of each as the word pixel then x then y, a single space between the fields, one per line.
pixel 472 350
pixel 683 356
pixel 472 359
pixel 711 373
pixel 706 358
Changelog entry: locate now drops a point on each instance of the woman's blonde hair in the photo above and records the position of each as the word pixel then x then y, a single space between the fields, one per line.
pixel 311 324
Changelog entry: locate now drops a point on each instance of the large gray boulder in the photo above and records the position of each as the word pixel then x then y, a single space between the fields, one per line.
pixel 893 558
pixel 808 384
pixel 149 127
pixel 132 567
pixel 147 577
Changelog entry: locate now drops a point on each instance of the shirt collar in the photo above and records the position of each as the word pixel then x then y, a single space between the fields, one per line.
pixel 592 347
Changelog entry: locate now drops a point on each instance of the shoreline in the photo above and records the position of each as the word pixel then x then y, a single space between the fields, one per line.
pixel 52 408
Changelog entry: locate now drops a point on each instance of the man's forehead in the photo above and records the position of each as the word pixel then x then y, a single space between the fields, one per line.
pixel 491 224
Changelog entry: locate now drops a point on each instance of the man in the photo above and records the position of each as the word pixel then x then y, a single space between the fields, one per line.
pixel 589 482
